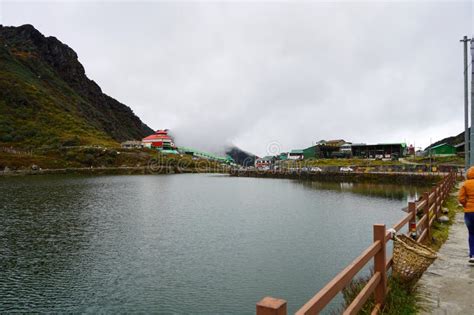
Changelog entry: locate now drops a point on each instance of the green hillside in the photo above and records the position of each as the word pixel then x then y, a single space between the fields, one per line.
pixel 47 100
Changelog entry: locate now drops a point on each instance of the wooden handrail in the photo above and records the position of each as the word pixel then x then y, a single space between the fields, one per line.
pixel 430 204
pixel 431 197
pixel 420 205
pixel 377 309
pixel 380 262
pixel 397 227
pixel 326 294
pixel 364 295
pixel 431 209
pixel 422 220
pixel 421 238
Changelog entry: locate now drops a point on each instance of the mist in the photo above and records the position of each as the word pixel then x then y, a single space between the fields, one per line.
pixel 271 77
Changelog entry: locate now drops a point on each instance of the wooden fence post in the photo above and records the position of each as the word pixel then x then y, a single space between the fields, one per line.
pixel 439 192
pixel 443 189
pixel 271 306
pixel 446 189
pixel 435 196
pixel 426 211
pixel 412 231
pixel 380 261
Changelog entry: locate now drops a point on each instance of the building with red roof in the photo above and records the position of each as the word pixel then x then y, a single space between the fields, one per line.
pixel 159 140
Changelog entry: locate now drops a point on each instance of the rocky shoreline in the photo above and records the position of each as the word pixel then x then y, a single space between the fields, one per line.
pixel 379 177
pixel 124 170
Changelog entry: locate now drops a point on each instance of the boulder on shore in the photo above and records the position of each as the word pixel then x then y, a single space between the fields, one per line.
pixel 443 219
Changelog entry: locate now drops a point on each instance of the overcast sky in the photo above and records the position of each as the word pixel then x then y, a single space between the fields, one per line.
pixel 271 76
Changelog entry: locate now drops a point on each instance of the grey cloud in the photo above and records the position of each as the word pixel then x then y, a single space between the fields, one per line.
pixel 252 73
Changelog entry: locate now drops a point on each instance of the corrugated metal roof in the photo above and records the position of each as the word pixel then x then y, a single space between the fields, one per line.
pixel 440 145
pixel 158 135
pixel 205 154
pixel 296 152
pixel 371 145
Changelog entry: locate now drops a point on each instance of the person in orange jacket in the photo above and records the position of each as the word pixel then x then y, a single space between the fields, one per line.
pixel 466 198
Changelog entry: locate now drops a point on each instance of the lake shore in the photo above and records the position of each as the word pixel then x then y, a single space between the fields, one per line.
pixel 378 177
pixel 414 178
pixel 124 170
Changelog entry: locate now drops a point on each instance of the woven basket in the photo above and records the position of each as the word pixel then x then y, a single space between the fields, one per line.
pixel 410 259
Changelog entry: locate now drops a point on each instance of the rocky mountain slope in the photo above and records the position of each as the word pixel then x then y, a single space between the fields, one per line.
pixel 240 156
pixel 47 99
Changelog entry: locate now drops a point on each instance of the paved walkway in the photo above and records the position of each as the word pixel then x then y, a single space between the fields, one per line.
pixel 447 287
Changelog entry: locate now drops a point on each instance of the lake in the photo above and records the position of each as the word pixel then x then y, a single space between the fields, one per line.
pixel 188 243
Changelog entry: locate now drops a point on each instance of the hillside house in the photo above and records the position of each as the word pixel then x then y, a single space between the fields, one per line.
pixel 131 144
pixel 319 151
pixel 335 143
pixel 198 154
pixel 296 155
pixel 381 150
pixel 264 162
pixel 283 156
pixel 159 140
pixel 459 148
pixel 442 149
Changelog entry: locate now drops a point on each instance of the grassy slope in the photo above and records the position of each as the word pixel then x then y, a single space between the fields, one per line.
pixel 37 108
pixel 339 162
pixel 85 157
pixel 446 160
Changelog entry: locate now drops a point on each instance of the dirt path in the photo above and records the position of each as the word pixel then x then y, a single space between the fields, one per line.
pixel 447 287
pixel 404 161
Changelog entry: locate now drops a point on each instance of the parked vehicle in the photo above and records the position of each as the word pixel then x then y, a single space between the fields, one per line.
pixel 315 169
pixel 346 169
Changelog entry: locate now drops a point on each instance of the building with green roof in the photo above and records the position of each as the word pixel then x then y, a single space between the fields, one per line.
pixel 296 155
pixel 442 149
pixel 320 150
pixel 385 150
pixel 206 155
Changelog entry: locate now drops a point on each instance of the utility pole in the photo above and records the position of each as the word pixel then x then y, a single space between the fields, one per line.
pixel 466 107
pixel 471 143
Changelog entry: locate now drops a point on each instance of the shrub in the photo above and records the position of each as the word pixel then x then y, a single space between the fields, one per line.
pixel 18 138
pixel 72 142
pixel 6 138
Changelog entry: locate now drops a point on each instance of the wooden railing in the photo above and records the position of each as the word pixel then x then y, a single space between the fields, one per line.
pixel 428 207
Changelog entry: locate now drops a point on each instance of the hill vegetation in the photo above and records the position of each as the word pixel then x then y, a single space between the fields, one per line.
pixel 47 100
pixel 94 157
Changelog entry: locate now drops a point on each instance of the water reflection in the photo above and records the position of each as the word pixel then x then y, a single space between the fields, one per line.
pixel 386 191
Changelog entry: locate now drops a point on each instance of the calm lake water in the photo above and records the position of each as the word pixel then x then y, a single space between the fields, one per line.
pixel 191 243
